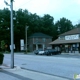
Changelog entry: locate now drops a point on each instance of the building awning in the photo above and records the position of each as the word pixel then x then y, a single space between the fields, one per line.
pixel 58 41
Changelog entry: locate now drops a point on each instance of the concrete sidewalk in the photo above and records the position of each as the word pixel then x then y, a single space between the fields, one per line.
pixel 21 74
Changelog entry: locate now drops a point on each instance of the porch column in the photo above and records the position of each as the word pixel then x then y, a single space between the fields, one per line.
pixel 43 46
pixel 36 46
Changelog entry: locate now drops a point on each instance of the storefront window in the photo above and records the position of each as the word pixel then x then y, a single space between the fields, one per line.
pixel 76 48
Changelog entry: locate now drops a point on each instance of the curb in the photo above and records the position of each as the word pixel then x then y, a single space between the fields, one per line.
pixel 5 66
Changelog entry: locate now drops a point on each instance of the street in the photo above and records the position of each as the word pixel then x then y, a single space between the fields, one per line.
pixel 59 65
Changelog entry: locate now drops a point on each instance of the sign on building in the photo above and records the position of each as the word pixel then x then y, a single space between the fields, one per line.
pixel 72 37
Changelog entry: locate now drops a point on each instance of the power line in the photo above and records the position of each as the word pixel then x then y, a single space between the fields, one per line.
pixel 24 3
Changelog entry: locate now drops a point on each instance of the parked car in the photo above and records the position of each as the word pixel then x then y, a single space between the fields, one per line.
pixel 39 52
pixel 52 52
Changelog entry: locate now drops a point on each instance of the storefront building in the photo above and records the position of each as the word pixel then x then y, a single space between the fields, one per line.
pixel 68 42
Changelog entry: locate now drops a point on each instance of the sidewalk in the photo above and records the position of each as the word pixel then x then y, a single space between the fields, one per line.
pixel 21 74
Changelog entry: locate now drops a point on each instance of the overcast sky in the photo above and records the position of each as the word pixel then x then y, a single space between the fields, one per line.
pixel 69 9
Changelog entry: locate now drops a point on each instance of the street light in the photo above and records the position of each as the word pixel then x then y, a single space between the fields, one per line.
pixel 12 44
pixel 26 28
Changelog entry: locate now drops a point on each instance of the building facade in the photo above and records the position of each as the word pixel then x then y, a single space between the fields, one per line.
pixel 39 41
pixel 68 42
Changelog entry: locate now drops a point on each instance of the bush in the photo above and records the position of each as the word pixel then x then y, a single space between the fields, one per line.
pixel 3 45
pixel 1 53
pixel 1 58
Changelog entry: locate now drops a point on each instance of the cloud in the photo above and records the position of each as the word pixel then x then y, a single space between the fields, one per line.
pixel 56 8
pixel 34 6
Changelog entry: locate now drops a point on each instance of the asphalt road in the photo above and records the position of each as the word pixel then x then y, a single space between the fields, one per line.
pixel 59 65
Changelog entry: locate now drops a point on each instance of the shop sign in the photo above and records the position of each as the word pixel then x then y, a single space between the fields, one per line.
pixel 71 37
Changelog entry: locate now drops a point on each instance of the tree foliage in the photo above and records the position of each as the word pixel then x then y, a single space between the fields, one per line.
pixel 5 24
pixel 3 45
pixel 36 23
pixel 63 25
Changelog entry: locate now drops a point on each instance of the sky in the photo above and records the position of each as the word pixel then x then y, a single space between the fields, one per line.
pixel 69 9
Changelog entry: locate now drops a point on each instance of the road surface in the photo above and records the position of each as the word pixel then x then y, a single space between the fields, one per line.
pixel 59 65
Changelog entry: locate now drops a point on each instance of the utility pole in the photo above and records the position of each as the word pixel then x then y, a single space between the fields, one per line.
pixel 26 27
pixel 12 39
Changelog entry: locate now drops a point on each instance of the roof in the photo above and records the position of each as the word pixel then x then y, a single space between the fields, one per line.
pixel 73 31
pixel 40 35
pixel 58 41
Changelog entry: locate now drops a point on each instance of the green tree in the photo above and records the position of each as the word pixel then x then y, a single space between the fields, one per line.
pixel 63 25
pixel 47 24
pixel 20 22
pixel 5 25
pixel 35 22
pixel 77 25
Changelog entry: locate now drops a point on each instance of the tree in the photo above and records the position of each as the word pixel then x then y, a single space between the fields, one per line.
pixel 47 24
pixel 35 22
pixel 22 17
pixel 77 25
pixel 63 25
pixel 5 25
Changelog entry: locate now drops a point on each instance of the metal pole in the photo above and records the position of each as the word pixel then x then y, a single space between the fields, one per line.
pixel 12 44
pixel 26 38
